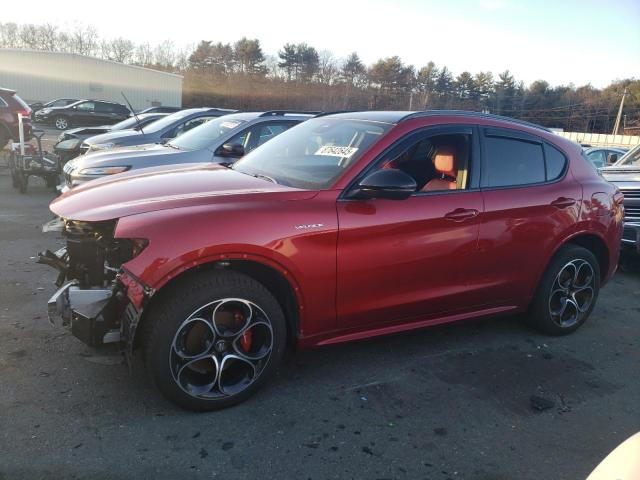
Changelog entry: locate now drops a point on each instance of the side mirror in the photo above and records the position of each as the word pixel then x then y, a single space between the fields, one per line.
pixel 390 183
pixel 231 150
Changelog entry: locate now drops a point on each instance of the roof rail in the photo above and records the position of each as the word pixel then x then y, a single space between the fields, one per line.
pixel 273 113
pixel 324 114
pixel 491 116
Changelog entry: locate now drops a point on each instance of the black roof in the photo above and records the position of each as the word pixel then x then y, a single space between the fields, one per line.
pixel 400 116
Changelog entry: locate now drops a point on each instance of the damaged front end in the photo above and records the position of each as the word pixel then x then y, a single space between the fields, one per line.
pixel 98 300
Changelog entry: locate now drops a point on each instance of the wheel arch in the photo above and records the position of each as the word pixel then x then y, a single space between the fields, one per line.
pixel 277 281
pixel 596 245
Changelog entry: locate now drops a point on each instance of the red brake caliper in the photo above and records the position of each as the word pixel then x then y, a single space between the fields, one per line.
pixel 245 341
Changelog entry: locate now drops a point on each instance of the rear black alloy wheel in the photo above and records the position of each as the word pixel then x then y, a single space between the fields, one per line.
pixel 213 340
pixel 572 293
pixel 567 292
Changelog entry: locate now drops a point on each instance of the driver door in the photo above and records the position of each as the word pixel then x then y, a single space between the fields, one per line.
pixel 404 260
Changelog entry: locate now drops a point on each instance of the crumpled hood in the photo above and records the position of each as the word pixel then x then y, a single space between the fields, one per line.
pixel 164 187
pixel 127 137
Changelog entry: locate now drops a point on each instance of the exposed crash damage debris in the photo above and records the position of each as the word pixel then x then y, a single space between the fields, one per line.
pixel 97 299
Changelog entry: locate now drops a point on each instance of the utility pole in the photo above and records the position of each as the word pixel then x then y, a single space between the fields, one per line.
pixel 616 127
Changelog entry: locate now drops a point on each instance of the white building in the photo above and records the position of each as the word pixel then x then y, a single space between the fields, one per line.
pixel 42 76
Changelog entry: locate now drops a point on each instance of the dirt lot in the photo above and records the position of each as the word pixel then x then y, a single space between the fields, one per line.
pixel 445 403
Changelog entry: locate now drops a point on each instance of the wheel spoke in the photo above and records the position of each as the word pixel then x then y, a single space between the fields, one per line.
pixel 255 341
pixel 236 374
pixel 231 316
pixel 199 375
pixel 194 338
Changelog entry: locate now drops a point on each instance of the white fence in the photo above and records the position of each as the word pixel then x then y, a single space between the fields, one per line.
pixel 601 139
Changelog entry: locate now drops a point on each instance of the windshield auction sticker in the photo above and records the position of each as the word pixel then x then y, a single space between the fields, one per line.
pixel 333 151
pixel 229 125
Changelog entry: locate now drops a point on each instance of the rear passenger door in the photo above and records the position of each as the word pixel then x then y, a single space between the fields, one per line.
pixel 530 199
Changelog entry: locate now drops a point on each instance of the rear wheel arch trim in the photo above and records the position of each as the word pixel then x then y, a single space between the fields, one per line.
pixel 570 240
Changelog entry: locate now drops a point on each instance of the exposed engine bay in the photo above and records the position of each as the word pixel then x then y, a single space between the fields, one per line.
pixel 92 299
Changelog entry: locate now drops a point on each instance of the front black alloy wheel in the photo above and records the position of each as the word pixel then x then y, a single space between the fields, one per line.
pixel 567 292
pixel 214 340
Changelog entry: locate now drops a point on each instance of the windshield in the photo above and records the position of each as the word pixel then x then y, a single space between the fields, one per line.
pixel 314 154
pixel 167 121
pixel 204 135
pixel 632 158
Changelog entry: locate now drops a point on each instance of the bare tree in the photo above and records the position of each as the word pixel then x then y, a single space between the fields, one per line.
pixel 144 55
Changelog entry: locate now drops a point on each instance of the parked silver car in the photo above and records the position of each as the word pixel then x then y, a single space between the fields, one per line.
pixel 625 174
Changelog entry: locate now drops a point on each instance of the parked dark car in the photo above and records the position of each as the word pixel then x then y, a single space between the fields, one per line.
pixel 70 141
pixel 625 174
pixel 10 106
pixel 221 140
pixel 342 228
pixel 603 156
pixel 59 102
pixel 160 109
pixel 84 112
pixel 161 131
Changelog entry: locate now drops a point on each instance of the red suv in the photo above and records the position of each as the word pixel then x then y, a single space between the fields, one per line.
pixel 345 227
pixel 10 106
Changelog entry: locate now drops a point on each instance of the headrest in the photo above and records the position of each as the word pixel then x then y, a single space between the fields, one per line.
pixel 445 159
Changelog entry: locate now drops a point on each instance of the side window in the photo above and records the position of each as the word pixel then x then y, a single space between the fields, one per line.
pixel 86 107
pixel 612 157
pixel 511 161
pixel 240 138
pixel 597 158
pixel 436 162
pixel 103 107
pixel 3 103
pixel 556 162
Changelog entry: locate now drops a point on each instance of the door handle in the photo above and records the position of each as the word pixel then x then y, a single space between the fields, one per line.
pixel 563 202
pixel 461 214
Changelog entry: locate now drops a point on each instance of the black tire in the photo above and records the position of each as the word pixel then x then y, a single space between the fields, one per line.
pixel 172 321
pixel 61 122
pixel 551 314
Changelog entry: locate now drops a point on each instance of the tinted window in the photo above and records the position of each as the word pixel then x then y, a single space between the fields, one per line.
pixel 2 103
pixel 104 108
pixel 86 106
pixel 555 162
pixel 513 162
pixel 204 135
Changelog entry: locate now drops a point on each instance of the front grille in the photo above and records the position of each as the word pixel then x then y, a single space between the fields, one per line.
pixel 631 214
pixel 631 194
pixel 629 234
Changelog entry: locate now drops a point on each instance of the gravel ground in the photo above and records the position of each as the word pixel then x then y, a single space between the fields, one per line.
pixel 442 403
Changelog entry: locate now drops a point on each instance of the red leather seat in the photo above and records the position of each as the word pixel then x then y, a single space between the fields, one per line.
pixel 444 162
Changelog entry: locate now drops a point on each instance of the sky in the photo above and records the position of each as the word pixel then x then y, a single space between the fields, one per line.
pixel 561 41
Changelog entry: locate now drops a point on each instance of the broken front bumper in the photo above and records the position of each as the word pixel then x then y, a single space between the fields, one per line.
pixel 92 315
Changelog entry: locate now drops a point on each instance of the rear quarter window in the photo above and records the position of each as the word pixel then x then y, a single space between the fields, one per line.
pixel 511 162
pixel 556 162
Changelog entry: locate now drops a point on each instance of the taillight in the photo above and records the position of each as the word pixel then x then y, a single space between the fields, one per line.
pixel 24 113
